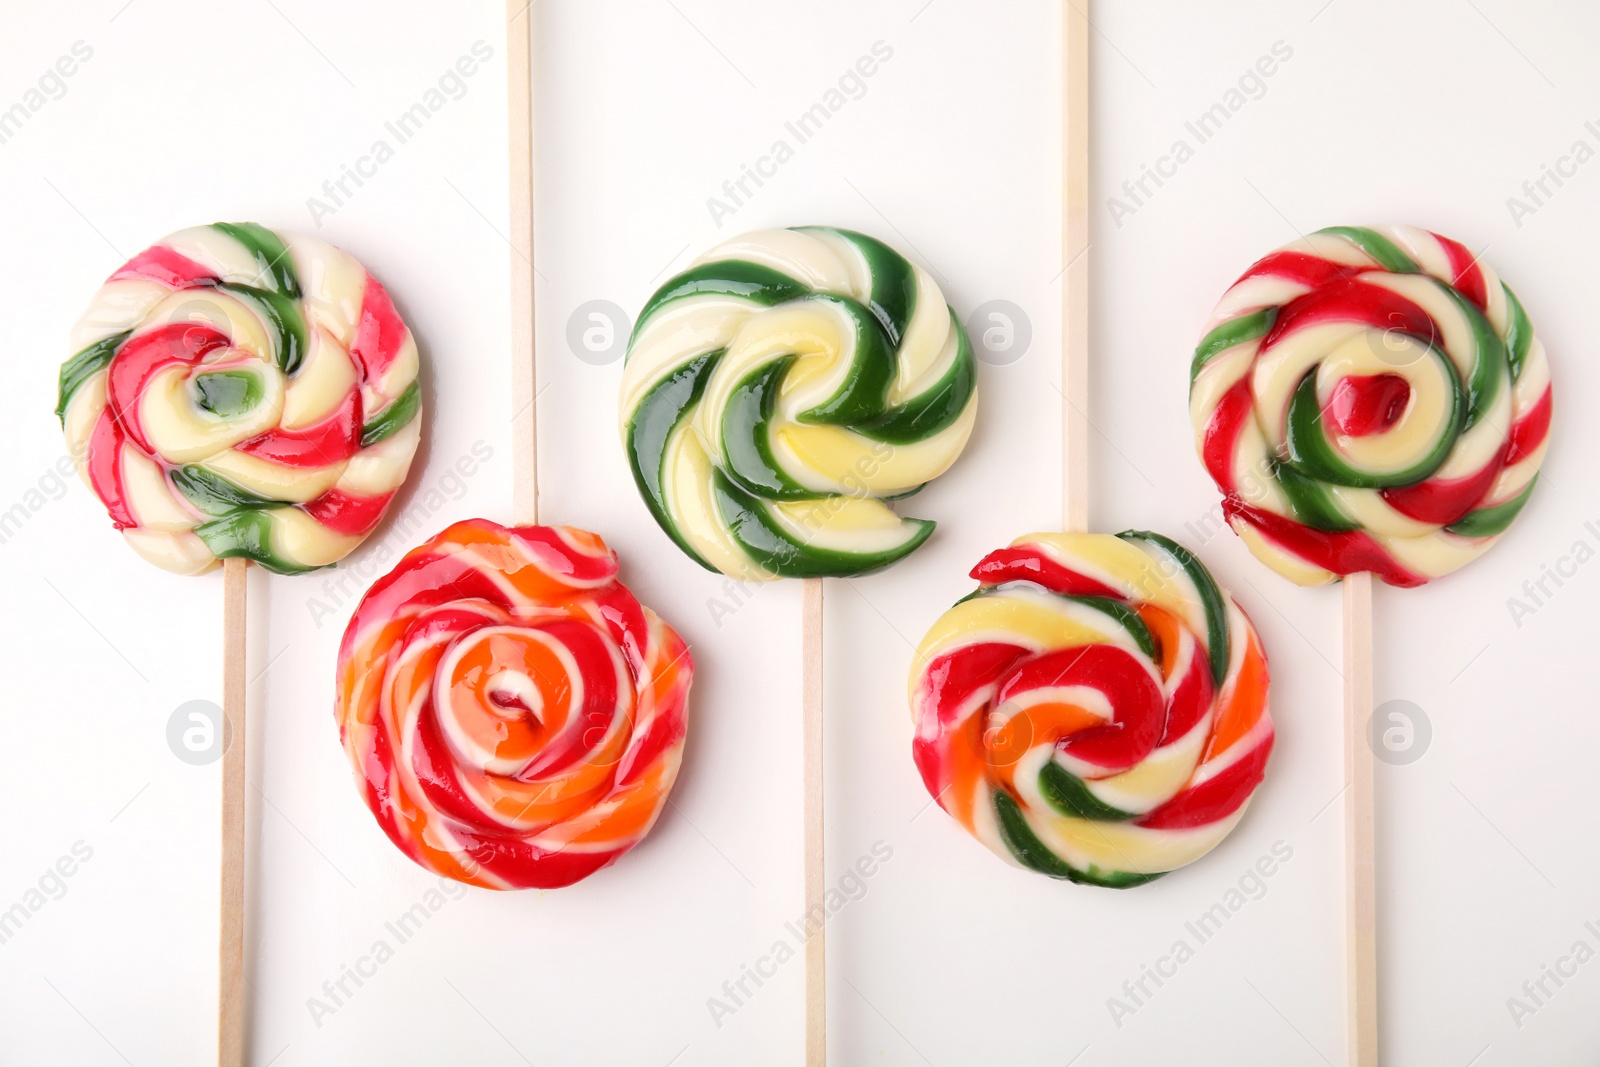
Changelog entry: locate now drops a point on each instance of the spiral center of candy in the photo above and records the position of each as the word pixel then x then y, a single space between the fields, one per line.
pixel 1367 404
pixel 227 393
pixel 507 692
pixel 1100 708
pixel 516 694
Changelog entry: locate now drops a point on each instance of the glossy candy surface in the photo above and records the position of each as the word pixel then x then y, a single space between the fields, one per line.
pixel 782 388
pixel 1370 399
pixel 1096 710
pixel 514 717
pixel 240 392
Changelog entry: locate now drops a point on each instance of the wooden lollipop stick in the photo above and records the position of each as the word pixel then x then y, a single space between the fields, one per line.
pixel 519 111
pixel 1360 907
pixel 230 959
pixel 1360 913
pixel 816 868
pixel 1075 275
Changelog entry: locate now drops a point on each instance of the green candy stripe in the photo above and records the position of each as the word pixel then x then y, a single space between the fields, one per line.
pixel 864 393
pixel 1032 853
pixel 909 493
pixel 1493 520
pixel 1490 364
pixel 247 533
pixel 1311 502
pixel 279 305
pixel 1376 245
pixel 894 282
pixel 649 428
pixel 216 495
pixel 1024 843
pixel 1228 334
pixel 83 366
pixel 284 321
pixel 746 444
pixel 1211 598
pixel 1312 455
pixel 776 551
pixel 1519 332
pixel 754 282
pixel 1106 879
pixel 990 590
pixel 392 419
pixel 228 393
pixel 936 409
pixel 271 254
pixel 1070 795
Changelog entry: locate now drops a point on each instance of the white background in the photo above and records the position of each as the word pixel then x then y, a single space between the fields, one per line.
pixel 1429 112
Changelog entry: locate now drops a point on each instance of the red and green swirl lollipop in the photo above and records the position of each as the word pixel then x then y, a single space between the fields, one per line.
pixel 238 392
pixel 1371 399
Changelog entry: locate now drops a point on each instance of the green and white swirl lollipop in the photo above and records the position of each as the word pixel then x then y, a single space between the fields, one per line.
pixel 782 389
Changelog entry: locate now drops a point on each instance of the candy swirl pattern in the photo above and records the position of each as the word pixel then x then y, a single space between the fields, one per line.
pixel 514 717
pixel 781 389
pixel 1096 711
pixel 1370 399
pixel 241 392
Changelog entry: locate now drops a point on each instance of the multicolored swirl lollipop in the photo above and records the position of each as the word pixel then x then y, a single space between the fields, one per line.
pixel 242 394
pixel 1096 710
pixel 1372 402
pixel 514 717
pixel 237 392
pixel 1371 399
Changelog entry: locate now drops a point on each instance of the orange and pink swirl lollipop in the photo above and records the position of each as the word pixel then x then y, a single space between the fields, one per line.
pixel 514 716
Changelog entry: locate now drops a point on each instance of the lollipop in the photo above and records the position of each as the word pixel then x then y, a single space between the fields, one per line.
pixel 1370 400
pixel 781 389
pixel 1096 710
pixel 514 717
pixel 239 392
pixel 776 395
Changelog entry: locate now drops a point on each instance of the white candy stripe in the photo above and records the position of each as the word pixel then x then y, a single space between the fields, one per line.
pixel 324 380
pixel 119 306
pixel 381 468
pixel 333 283
pixel 178 551
pixel 222 255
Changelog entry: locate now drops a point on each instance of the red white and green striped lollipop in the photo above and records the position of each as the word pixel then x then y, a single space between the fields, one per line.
pixel 1370 399
pixel 240 392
